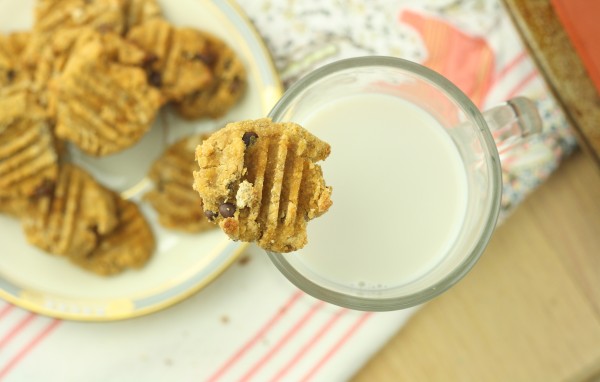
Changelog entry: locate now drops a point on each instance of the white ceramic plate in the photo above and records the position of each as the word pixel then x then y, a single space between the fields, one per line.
pixel 182 263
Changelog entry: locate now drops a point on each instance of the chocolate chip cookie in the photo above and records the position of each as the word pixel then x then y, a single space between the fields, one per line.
pixel 69 217
pixel 28 151
pixel 227 85
pixel 104 103
pixel 14 207
pixel 175 65
pixel 129 245
pixel 11 68
pixel 138 12
pixel 54 15
pixel 178 205
pixel 259 182
pixel 51 15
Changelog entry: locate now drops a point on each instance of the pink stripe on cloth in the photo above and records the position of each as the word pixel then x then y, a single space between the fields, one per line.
pixel 509 67
pixel 28 348
pixel 297 326
pixel 16 329
pixel 261 332
pixel 361 320
pixel 308 345
pixel 7 308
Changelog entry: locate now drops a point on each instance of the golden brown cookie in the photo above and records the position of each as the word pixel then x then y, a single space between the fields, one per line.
pixel 28 155
pixel 176 66
pixel 65 44
pixel 138 12
pixel 129 245
pixel 53 57
pixel 69 217
pixel 226 88
pixel 103 102
pixel 15 207
pixel 51 15
pixel 15 43
pixel 54 15
pixel 259 181
pixel 11 67
pixel 178 205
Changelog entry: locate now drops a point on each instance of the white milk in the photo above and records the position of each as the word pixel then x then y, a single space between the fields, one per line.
pixel 398 183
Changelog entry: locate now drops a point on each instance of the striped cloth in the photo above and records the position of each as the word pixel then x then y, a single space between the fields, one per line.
pixel 252 324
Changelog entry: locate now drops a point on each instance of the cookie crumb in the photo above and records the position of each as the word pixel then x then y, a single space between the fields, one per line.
pixel 244 260
pixel 245 194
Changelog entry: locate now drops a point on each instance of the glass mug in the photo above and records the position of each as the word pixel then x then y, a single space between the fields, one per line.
pixel 351 239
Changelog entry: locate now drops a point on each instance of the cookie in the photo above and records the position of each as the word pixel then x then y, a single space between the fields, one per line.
pixel 69 217
pixel 65 44
pixel 138 12
pixel 176 66
pixel 54 15
pixel 51 15
pixel 259 182
pixel 226 88
pixel 177 204
pixel 53 58
pixel 129 245
pixel 103 102
pixel 13 206
pixel 28 151
pixel 11 50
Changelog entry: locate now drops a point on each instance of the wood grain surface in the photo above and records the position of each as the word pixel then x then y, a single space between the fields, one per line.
pixel 529 310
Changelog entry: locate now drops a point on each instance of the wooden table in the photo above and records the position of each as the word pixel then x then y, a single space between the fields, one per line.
pixel 529 310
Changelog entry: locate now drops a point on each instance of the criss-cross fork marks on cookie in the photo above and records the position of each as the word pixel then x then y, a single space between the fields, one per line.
pixel 27 148
pixel 69 218
pixel 178 205
pixel 226 87
pixel 103 104
pixel 129 245
pixel 78 218
pixel 259 182
pixel 176 66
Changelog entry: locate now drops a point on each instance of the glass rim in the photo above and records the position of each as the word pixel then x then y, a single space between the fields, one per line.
pixel 472 112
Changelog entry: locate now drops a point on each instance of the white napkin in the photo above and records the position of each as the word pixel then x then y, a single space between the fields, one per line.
pixel 250 324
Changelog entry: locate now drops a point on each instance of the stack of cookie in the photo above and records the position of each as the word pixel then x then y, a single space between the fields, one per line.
pixel 95 74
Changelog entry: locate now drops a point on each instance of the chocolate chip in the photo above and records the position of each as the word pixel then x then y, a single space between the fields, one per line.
pixel 235 85
pixel 149 60
pixel 10 75
pixel 155 78
pixel 46 188
pixel 210 215
pixel 227 210
pixel 209 58
pixel 249 138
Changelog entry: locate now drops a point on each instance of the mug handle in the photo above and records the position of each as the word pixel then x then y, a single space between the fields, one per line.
pixel 511 122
